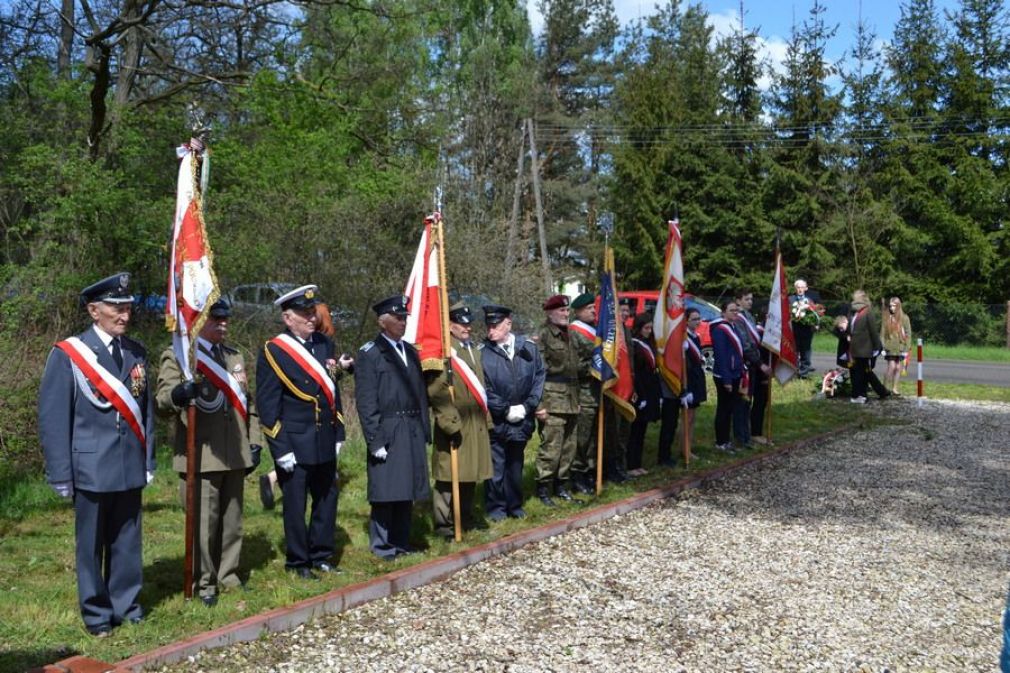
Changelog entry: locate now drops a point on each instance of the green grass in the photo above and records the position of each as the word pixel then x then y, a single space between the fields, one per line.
pixel 827 343
pixel 39 620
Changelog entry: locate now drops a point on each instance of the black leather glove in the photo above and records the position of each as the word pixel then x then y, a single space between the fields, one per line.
pixel 183 393
pixel 256 450
pixel 456 439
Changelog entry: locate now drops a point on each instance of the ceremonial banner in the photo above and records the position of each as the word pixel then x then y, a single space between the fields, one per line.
pixel 669 325
pixel 192 285
pixel 424 292
pixel 778 333
pixel 611 364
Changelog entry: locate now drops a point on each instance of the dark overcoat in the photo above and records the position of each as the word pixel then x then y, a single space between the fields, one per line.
pixel 392 403
pixel 509 382
pixel 294 412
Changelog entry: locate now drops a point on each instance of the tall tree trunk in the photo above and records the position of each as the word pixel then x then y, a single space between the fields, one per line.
pixel 66 39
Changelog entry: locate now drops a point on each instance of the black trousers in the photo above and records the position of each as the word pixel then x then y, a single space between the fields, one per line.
pixel 725 403
pixel 669 417
pixel 503 492
pixel 389 528
pixel 759 403
pixel 804 346
pixel 862 374
pixel 311 544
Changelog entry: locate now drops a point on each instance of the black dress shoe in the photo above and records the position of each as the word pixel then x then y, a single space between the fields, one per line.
pixel 518 514
pixel 100 631
pixel 266 492
pixel 564 494
pixel 583 486
pixel 305 574
pixel 209 601
pixel 325 567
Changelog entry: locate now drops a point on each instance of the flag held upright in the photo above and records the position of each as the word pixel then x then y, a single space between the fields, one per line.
pixel 192 285
pixel 611 364
pixel 424 292
pixel 778 334
pixel 668 324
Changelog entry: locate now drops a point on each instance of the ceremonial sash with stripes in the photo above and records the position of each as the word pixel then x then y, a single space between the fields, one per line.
pixel 222 379
pixel 310 365
pixel 691 347
pixel 106 383
pixel 584 329
pixel 470 380
pixel 750 328
pixel 649 355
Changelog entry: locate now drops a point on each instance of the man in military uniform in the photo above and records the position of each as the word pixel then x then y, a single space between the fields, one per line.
pixel 559 408
pixel 582 332
pixel 225 426
pixel 461 420
pixel 301 415
pixel 96 427
pixel 393 407
pixel 514 377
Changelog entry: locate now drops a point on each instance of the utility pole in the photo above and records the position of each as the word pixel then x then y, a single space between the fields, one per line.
pixel 510 250
pixel 535 171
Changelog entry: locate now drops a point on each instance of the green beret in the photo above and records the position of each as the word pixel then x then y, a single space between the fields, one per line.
pixel 584 299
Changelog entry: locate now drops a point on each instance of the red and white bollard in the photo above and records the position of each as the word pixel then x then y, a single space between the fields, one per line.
pixel 919 393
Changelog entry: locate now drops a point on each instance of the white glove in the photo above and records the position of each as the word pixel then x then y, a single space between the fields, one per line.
pixel 287 462
pixel 876 353
pixel 150 477
pixel 64 489
pixel 642 404
pixel 380 453
pixel 517 412
pixel 336 449
pixel 345 361
pixel 686 400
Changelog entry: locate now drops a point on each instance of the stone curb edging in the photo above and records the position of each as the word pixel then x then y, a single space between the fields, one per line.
pixel 345 598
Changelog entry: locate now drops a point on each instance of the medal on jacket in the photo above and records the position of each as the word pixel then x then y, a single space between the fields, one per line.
pixel 138 380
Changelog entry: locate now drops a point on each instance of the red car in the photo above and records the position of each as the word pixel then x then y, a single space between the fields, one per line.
pixel 646 300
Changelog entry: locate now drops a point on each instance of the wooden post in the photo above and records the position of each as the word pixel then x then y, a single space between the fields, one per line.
pixel 187 571
pixel 510 250
pixel 535 172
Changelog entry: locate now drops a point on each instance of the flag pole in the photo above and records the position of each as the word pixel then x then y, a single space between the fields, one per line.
pixel 443 300
pixel 600 415
pixel 768 406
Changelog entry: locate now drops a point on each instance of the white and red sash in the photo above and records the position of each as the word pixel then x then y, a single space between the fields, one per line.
pixel 584 329
pixel 649 355
pixel 750 328
pixel 222 379
pixel 470 380
pixel 310 365
pixel 691 347
pixel 106 383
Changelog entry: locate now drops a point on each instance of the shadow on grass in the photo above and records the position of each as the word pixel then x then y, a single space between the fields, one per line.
pixel 24 660
pixel 163 578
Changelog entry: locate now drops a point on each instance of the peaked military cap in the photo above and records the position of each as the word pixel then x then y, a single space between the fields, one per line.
pixel 395 305
pixel 306 296
pixel 220 309
pixel 460 313
pixel 625 301
pixel 584 299
pixel 557 301
pixel 112 290
pixel 494 314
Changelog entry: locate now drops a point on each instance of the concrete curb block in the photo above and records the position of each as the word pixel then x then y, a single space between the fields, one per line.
pixel 339 600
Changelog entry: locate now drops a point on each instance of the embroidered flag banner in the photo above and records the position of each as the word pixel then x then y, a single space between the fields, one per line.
pixel 611 364
pixel 668 325
pixel 424 292
pixel 192 285
pixel 778 333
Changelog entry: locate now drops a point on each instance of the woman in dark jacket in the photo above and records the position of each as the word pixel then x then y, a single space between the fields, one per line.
pixel 728 372
pixel 693 392
pixel 646 389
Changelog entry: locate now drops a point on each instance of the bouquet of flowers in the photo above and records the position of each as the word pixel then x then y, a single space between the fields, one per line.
pixel 807 313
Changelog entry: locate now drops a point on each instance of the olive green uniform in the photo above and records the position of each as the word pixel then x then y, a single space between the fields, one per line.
pixel 468 420
pixel 223 438
pixel 584 463
pixel 561 400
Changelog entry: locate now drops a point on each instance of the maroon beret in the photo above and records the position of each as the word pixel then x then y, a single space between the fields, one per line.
pixel 557 301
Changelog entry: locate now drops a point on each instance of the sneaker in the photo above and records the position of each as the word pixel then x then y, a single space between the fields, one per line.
pixel 858 400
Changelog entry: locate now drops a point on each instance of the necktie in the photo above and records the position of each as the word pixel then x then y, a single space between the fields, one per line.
pixel 507 348
pixel 403 353
pixel 117 353
pixel 218 355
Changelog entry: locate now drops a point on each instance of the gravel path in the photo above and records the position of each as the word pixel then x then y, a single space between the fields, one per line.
pixel 885 550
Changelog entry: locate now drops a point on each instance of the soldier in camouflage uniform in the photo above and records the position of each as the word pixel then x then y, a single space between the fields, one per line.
pixel 582 332
pixel 559 409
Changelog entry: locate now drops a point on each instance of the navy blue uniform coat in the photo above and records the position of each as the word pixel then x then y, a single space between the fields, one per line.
pixel 509 382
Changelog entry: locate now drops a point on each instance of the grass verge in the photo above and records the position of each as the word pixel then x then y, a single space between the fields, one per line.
pixel 39 620
pixel 827 343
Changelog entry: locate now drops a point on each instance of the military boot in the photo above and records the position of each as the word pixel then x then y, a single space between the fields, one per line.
pixel 544 494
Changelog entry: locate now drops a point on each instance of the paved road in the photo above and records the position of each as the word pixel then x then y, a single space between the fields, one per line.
pixel 940 371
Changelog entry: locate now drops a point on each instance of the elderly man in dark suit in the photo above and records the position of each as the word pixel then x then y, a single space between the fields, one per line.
pixel 392 402
pixel 96 427
pixel 301 415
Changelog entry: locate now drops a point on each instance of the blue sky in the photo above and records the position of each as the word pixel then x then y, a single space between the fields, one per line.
pixel 774 19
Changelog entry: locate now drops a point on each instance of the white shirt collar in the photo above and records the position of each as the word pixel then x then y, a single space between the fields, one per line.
pixel 104 336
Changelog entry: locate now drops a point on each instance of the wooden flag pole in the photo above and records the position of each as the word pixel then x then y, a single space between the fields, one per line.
pixel 446 350
pixel 685 420
pixel 599 445
pixel 187 571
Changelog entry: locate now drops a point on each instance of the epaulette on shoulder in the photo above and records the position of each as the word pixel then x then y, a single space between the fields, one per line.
pixel 480 347
pixel 367 347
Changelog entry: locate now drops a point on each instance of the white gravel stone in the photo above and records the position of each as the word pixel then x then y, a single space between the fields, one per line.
pixel 882 550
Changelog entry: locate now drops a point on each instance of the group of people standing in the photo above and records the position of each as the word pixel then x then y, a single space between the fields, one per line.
pixel 862 338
